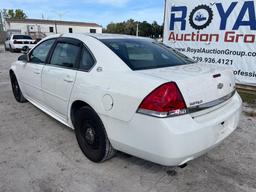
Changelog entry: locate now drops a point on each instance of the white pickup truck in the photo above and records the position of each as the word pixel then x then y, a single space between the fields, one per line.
pixel 17 42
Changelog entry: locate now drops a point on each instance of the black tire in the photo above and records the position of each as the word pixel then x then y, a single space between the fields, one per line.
pixel 10 49
pixel 16 90
pixel 91 135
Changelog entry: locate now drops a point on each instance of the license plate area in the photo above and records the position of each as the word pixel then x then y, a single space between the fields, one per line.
pixel 224 129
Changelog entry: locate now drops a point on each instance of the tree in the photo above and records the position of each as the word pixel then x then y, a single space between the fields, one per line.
pixel 129 27
pixel 157 30
pixel 14 14
pixel 145 29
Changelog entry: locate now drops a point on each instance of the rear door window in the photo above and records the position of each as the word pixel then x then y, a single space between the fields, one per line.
pixel 65 55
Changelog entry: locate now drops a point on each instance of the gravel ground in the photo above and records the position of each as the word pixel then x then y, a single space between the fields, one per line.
pixel 39 154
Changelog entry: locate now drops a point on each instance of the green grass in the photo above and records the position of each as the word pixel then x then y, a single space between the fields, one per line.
pixel 248 97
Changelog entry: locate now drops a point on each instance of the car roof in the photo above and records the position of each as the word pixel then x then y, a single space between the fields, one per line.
pixel 98 36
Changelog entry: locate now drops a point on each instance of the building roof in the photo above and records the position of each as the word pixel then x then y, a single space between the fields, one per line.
pixel 53 22
pixel 115 36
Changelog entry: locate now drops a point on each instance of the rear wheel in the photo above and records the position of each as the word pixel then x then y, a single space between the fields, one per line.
pixel 91 135
pixel 16 90
pixel 10 48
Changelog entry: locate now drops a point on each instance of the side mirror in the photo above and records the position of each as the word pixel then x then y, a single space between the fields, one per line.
pixel 23 58
pixel 25 50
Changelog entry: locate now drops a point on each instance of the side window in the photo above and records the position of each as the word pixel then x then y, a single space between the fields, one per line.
pixel 51 29
pixel 65 55
pixel 87 60
pixel 39 54
pixel 92 30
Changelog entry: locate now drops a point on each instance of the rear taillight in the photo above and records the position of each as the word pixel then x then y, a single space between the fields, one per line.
pixel 164 101
pixel 17 42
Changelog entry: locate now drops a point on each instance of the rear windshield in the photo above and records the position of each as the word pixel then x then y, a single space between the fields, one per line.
pixel 141 54
pixel 21 37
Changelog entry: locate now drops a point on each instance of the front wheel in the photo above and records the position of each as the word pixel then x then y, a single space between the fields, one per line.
pixel 16 90
pixel 91 135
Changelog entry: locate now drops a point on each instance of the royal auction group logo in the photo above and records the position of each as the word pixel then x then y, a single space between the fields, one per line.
pixel 201 17
pixel 234 22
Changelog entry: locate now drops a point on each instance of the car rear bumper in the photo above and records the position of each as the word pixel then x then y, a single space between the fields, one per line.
pixel 175 141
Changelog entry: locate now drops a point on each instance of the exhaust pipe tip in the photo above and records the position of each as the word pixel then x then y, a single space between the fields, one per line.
pixel 183 165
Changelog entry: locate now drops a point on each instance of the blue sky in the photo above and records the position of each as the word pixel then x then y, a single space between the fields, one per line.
pixel 99 11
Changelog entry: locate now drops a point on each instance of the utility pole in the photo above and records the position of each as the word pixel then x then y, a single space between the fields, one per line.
pixel 56 30
pixel 165 3
pixel 60 19
pixel 1 22
pixel 60 14
pixel 137 30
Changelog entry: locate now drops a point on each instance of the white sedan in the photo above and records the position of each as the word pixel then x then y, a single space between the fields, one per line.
pixel 17 42
pixel 129 94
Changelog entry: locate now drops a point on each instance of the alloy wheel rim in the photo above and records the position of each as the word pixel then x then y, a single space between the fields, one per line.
pixel 90 136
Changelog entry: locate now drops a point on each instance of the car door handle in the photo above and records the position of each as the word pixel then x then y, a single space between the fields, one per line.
pixel 68 80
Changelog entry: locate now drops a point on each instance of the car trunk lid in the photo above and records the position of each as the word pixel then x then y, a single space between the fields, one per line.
pixel 199 83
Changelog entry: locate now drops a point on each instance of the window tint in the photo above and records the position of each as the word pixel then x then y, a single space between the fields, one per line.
pixel 22 37
pixel 39 54
pixel 65 55
pixel 87 61
pixel 141 54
